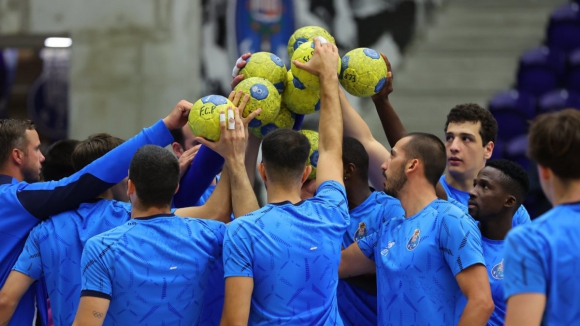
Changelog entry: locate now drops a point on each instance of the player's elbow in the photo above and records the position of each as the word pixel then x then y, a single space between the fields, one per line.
pixel 484 302
pixel 7 304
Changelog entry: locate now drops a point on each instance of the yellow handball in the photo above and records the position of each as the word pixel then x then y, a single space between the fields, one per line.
pixel 364 72
pixel 298 98
pixel 266 65
pixel 204 117
pixel 284 120
pixel 313 156
pixel 306 34
pixel 262 95
pixel 303 54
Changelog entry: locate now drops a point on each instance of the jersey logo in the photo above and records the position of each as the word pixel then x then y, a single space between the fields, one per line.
pixel 414 240
pixel 361 232
pixel 497 271
pixel 385 251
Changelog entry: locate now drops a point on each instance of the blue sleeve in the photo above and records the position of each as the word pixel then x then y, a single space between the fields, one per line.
pixel 95 278
pixel 43 199
pixel 29 262
pixel 205 166
pixel 521 217
pixel 299 118
pixel 368 244
pixel 460 241
pixel 238 253
pixel 524 263
pixel 334 196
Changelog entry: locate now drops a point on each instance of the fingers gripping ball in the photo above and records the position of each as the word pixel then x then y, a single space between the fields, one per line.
pixel 303 54
pixel 204 117
pixel 284 120
pixel 268 66
pixel 306 34
pixel 313 156
pixel 364 72
pixel 262 95
pixel 298 98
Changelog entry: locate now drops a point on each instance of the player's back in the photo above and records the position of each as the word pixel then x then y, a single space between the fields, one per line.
pixel 54 248
pixel 292 251
pixel 544 257
pixel 155 270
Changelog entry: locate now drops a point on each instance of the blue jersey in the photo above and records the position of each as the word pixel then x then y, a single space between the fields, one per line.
pixel 493 253
pixel 25 205
pixel 417 259
pixel 357 307
pixel 292 251
pixel 154 270
pixel 544 257
pixel 54 248
pixel 520 217
pixel 205 196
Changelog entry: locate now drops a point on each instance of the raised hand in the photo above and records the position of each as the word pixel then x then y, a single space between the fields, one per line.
pixel 323 61
pixel 186 158
pixel 388 88
pixel 177 118
pixel 240 63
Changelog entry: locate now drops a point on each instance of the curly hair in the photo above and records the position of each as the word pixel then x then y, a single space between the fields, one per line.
pixel 515 179
pixel 472 112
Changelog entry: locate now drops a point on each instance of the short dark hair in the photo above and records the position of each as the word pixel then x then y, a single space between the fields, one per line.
pixel 13 135
pixel 430 150
pixel 155 173
pixel 93 148
pixel 354 152
pixel 58 160
pixel 178 136
pixel 472 112
pixel 285 153
pixel 515 179
pixel 555 142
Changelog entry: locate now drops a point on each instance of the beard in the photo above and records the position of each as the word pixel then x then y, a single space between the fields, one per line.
pixel 31 175
pixel 395 183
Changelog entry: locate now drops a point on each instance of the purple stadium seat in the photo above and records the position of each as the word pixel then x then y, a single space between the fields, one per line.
pixel 573 77
pixel 498 149
pixel 564 27
pixel 514 100
pixel 540 70
pixel 510 124
pixel 558 100
pixel 516 149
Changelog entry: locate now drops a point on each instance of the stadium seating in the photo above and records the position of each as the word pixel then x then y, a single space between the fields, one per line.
pixel 573 74
pixel 540 70
pixel 564 27
pixel 558 100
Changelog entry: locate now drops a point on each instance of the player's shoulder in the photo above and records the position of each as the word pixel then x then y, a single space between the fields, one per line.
pixel 446 209
pixel 204 224
pixel 330 187
pixel 113 235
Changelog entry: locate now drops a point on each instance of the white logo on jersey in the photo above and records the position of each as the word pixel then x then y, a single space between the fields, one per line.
pixel 173 267
pixel 385 251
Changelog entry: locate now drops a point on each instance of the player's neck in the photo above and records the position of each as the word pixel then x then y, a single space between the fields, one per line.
pixel 565 193
pixel 357 196
pixel 12 171
pixel 278 192
pixel 138 211
pixel 414 198
pixel 108 194
pixel 460 182
pixel 498 228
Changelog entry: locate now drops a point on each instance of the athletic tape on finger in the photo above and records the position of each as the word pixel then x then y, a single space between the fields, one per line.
pixel 236 70
pixel 222 117
pixel 322 40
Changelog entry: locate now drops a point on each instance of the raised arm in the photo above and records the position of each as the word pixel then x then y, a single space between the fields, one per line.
pixel 44 199
pixel 324 64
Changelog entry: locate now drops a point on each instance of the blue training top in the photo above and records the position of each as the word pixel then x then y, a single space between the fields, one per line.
pixel 357 307
pixel 292 251
pixel 520 217
pixel 417 259
pixel 25 205
pixel 544 257
pixel 137 267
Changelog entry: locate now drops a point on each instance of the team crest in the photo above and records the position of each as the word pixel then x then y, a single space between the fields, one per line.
pixel 414 240
pixel 361 232
pixel 497 271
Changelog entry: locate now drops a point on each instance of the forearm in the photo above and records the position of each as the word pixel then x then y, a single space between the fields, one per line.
pixel 476 312
pixel 220 200
pixel 330 127
pixel 252 157
pixel 392 125
pixel 244 200
pixel 354 125
pixel 7 308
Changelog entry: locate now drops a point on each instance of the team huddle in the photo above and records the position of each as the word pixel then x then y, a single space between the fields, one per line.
pixel 418 235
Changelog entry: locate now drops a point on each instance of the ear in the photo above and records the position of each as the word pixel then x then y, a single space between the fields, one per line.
pixel 262 171
pixel 17 156
pixel 488 150
pixel 177 149
pixel 130 187
pixel 177 189
pixel 510 201
pixel 544 173
pixel 306 173
pixel 349 170
pixel 412 165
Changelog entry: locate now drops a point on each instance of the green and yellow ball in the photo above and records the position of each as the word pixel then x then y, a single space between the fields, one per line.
pixel 307 34
pixel 284 120
pixel 204 117
pixel 298 98
pixel 363 73
pixel 263 95
pixel 268 66
pixel 303 54
pixel 313 156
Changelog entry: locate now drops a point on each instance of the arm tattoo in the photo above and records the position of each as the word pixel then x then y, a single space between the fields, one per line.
pixel 98 314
